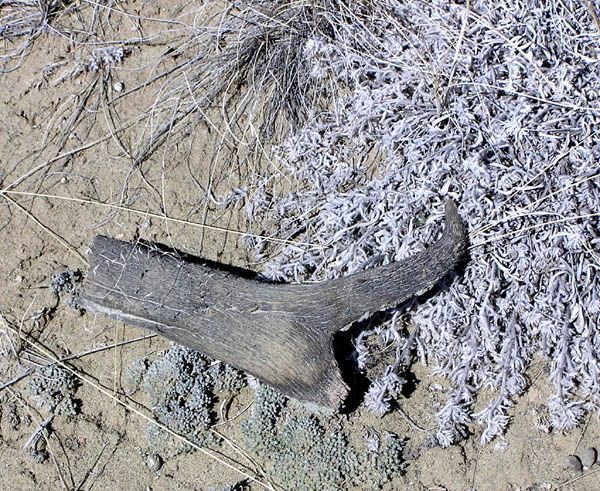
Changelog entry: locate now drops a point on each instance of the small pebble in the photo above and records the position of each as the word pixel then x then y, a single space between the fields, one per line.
pixel 118 86
pixel 574 463
pixel 154 462
pixel 588 457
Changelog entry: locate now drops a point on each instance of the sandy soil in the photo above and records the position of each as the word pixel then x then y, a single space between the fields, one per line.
pixel 67 155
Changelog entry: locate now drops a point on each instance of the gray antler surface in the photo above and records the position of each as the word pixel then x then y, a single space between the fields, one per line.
pixel 280 333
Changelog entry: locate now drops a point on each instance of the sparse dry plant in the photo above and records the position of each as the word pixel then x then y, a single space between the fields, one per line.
pixel 21 23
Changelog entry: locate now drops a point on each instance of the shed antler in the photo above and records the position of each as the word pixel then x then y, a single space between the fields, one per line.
pixel 280 333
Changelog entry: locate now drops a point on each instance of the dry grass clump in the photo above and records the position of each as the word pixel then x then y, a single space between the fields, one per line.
pixel 22 22
pixel 251 64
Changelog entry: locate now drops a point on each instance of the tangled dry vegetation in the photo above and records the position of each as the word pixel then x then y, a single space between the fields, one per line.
pixel 310 140
pixel 485 128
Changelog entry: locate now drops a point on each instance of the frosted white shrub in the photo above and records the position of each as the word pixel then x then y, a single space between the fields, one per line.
pixel 505 120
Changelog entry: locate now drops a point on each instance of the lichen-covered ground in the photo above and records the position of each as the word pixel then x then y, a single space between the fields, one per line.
pixel 114 123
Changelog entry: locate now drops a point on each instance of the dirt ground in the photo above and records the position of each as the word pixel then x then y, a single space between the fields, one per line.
pixel 68 172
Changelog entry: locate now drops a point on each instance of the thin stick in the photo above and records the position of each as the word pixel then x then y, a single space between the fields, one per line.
pixel 75 356
pixel 531 227
pixel 571 481
pixel 16 379
pixel 461 37
pixel 47 229
pixel 587 423
pixel 35 436
pixel 67 154
pixel 508 90
pixel 161 217
pixel 411 422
